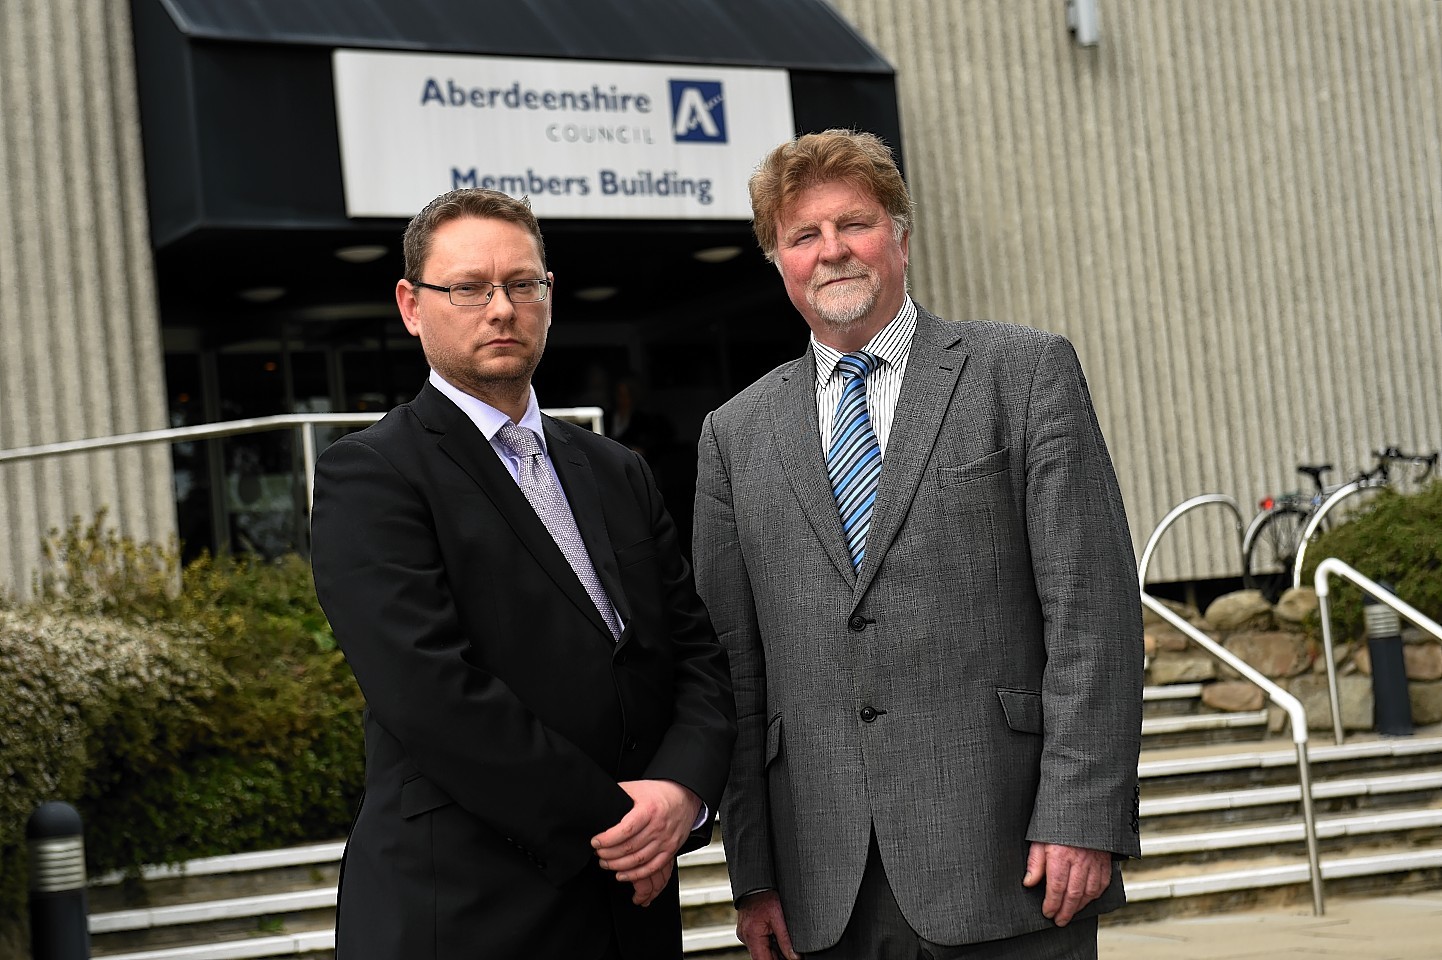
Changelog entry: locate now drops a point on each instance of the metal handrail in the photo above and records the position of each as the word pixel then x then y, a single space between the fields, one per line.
pixel 1174 515
pixel 1296 715
pixel 1315 521
pixel 305 422
pixel 1332 566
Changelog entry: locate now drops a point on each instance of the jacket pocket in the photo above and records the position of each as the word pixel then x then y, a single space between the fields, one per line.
pixel 419 795
pixel 1022 709
pixel 773 739
pixel 993 463
pixel 636 552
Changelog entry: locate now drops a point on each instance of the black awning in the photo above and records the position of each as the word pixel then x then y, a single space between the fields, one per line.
pixel 238 102
pixel 796 34
pixel 242 147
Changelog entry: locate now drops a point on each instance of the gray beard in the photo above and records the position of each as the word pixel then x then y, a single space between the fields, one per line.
pixel 847 314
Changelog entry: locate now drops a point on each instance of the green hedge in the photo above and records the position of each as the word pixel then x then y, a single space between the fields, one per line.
pixel 1397 540
pixel 185 713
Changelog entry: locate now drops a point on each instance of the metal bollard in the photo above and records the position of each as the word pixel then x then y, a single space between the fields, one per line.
pixel 59 929
pixel 1392 707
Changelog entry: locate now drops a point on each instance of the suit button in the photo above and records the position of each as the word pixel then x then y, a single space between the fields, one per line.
pixel 868 714
pixel 857 622
pixel 621 658
pixel 631 744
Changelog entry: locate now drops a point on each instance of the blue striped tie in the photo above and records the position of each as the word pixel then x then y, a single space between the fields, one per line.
pixel 854 460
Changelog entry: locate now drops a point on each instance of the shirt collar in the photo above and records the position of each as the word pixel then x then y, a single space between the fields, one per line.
pixel 487 418
pixel 890 345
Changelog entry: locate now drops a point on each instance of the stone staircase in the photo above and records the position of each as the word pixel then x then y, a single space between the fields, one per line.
pixel 1221 830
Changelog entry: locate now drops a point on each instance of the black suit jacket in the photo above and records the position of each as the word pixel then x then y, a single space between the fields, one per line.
pixel 501 714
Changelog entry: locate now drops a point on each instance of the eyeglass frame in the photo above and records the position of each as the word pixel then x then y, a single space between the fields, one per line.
pixel 491 295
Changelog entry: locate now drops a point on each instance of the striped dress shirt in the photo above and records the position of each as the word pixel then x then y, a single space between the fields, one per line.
pixel 892 345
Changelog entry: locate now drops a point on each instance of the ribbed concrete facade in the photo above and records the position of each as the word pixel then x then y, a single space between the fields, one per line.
pixel 1231 206
pixel 80 350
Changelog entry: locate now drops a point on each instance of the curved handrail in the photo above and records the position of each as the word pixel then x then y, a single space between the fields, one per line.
pixel 1297 719
pixel 1332 566
pixel 1173 516
pixel 1315 520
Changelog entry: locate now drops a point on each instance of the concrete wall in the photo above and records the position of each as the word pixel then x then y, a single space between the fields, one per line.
pixel 80 350
pixel 1231 206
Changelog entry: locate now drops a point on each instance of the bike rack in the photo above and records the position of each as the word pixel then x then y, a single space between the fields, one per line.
pixel 1296 716
pixel 1331 566
pixel 1176 514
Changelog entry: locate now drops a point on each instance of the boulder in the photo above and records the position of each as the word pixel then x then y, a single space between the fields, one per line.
pixel 1355 693
pixel 1189 667
pixel 1426 702
pixel 1163 636
pixel 1186 611
pixel 1275 653
pixel 1294 607
pixel 1424 660
pixel 1242 610
pixel 1233 695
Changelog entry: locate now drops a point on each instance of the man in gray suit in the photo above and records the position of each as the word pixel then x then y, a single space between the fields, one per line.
pixel 912 543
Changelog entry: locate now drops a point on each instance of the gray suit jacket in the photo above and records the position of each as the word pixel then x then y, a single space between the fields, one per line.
pixel 976 685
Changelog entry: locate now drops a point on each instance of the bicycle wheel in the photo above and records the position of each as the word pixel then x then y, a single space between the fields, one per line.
pixel 1268 564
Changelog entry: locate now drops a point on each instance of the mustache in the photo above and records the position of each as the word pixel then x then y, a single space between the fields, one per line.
pixel 847 270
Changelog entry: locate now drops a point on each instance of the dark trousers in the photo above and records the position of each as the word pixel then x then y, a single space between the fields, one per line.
pixel 878 931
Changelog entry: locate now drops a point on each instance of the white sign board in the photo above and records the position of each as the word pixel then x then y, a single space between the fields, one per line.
pixel 583 139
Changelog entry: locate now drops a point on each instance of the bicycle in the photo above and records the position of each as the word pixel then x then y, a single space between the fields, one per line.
pixel 1272 539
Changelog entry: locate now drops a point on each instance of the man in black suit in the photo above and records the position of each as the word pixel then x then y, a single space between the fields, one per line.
pixel 549 717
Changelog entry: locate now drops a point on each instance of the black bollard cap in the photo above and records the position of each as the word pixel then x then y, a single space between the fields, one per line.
pixel 54 819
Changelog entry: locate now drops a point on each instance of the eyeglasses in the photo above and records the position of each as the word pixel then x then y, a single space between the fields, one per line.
pixel 478 293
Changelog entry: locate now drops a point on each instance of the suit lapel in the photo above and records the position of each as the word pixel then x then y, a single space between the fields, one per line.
pixel 798 446
pixel 932 369
pixel 463 443
pixel 584 494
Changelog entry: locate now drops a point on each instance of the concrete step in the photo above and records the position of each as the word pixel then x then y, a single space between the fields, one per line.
pixel 1203 728
pixel 1337 835
pixel 1275 881
pixel 213 921
pixel 1221 827
pixel 1171 699
pixel 1223 767
pixel 312 945
pixel 1190 892
pixel 217 878
pixel 285 922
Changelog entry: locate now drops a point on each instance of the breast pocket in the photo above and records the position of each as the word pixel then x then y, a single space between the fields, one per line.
pixel 994 464
pixel 419 795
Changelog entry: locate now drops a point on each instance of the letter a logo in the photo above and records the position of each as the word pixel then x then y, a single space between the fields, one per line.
pixel 698 111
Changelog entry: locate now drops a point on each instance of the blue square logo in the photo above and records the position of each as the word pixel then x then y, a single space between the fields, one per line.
pixel 698 111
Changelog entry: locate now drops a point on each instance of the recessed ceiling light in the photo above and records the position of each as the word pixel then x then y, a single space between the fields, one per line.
pixel 596 294
pixel 717 254
pixel 262 294
pixel 362 253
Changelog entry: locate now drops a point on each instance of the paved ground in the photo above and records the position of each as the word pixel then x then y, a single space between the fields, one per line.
pixel 1379 928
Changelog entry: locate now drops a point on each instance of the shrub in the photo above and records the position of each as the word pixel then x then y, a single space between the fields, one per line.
pixel 185 713
pixel 86 702
pixel 1397 540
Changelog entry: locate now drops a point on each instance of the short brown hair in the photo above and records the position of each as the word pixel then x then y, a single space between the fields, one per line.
pixel 470 202
pixel 861 159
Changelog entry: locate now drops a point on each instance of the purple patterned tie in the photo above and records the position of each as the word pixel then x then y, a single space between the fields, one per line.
pixel 546 498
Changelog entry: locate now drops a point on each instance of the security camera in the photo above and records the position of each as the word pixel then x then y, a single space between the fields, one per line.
pixel 1081 18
